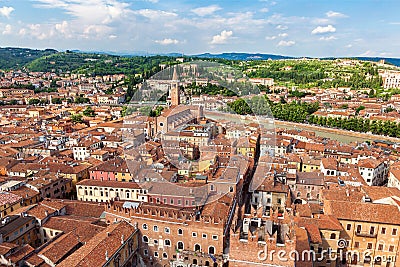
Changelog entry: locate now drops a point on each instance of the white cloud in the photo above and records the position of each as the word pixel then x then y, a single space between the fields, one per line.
pixel 207 10
pixel 63 28
pixel 112 36
pixel 96 31
pixel 7 29
pixel 22 32
pixel 101 11
pixel 333 14
pixel 321 29
pixel 368 53
pixel 264 10
pixel 221 38
pixel 282 27
pixel 349 46
pixel 270 38
pixel 328 38
pixel 318 21
pixel 283 34
pixel 155 14
pixel 167 41
pixel 6 11
pixel 286 43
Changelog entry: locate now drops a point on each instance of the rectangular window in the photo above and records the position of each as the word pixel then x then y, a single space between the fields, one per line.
pixel 394 231
pixel 391 248
pixel 380 247
pixel 348 227
pixel 215 237
pixel 383 231
pixel 369 246
pixel 356 244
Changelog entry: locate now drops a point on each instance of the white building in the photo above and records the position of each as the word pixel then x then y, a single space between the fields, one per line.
pixel 391 78
pixel 104 191
pixel 374 172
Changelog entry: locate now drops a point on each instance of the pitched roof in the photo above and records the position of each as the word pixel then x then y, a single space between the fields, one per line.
pixel 61 247
pixel 84 229
pixel 94 251
pixel 363 212
pixel 9 198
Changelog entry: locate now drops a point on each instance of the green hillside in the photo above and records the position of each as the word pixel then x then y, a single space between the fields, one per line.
pixel 15 58
pixel 96 64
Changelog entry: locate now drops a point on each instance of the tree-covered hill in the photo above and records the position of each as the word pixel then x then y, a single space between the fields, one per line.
pixel 96 64
pixel 15 58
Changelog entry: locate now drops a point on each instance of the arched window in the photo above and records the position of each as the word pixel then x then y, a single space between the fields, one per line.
pixel 333 236
pixel 145 239
pixel 145 227
pixel 167 242
pixel 194 261
pixel 197 247
pixel 180 232
pixel 180 245
pixel 211 250
pixel 165 255
pixel 155 228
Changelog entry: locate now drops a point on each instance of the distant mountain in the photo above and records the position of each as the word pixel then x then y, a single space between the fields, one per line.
pixel 242 56
pixel 11 57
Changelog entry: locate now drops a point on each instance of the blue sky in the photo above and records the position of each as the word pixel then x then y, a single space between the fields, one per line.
pixel 289 27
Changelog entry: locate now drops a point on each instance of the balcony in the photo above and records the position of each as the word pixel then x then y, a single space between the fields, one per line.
pixel 366 234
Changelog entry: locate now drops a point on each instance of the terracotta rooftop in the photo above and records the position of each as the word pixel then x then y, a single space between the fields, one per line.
pixel 9 198
pixel 363 212
pixel 81 227
pixel 61 247
pixel 94 251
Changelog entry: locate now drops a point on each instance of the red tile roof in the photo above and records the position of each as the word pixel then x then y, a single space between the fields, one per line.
pixel 94 251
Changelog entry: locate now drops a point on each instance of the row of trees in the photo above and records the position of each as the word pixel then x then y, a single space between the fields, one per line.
pixel 356 124
pixel 295 111
pixel 302 112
